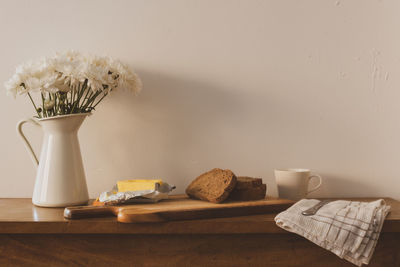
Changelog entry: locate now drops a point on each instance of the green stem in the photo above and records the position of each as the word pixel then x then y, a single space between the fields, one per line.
pixel 66 99
pixel 87 99
pixel 72 96
pixel 43 108
pixel 105 94
pixel 34 105
pixel 73 101
pixel 87 92
pixel 55 104
pixel 91 99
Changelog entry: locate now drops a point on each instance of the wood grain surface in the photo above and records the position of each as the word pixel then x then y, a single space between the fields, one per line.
pixel 238 241
pixel 20 216
pixel 180 207
pixel 180 250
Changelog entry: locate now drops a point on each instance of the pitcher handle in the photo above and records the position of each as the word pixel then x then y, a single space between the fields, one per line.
pixel 26 142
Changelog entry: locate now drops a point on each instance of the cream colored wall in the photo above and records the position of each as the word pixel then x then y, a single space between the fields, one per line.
pixel 245 85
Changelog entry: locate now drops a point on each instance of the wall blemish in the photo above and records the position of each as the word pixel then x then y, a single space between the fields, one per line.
pixel 375 70
pixel 387 76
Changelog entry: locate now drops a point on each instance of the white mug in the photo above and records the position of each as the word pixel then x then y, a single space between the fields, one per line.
pixel 293 183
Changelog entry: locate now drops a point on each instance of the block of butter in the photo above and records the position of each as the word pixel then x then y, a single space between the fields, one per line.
pixel 136 191
pixel 137 185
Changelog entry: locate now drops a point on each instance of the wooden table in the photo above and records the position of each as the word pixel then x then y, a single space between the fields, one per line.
pixel 33 236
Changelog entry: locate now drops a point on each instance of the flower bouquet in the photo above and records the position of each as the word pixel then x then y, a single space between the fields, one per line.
pixel 69 87
pixel 71 82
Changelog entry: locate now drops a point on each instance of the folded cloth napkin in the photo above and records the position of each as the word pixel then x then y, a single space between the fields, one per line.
pixel 350 229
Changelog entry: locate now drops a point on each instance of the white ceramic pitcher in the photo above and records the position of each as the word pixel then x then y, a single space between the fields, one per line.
pixel 60 179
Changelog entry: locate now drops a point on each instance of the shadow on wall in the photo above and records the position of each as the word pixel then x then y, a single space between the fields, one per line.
pixel 336 187
pixel 174 128
pixel 178 128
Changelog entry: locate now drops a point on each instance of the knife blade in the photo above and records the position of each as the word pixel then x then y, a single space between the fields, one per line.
pixel 315 208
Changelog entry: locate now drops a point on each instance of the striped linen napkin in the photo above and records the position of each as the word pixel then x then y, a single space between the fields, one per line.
pixel 350 229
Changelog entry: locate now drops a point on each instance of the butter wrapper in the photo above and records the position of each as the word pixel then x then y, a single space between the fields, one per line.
pixel 113 197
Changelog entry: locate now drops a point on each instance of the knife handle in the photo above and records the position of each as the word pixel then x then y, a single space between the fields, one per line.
pixel 78 212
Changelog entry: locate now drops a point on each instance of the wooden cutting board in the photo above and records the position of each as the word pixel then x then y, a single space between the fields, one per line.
pixel 179 207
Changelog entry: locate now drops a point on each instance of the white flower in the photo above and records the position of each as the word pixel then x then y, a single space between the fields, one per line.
pixel 62 85
pixel 33 84
pixel 49 104
pixel 125 78
pixel 67 72
pixel 14 85
pixel 131 82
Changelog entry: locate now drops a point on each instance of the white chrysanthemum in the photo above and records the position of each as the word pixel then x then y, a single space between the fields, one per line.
pixel 61 84
pixel 69 55
pixel 130 81
pixel 95 76
pixel 125 78
pixel 69 72
pixel 49 104
pixel 14 85
pixel 33 84
pixel 98 61
pixel 26 68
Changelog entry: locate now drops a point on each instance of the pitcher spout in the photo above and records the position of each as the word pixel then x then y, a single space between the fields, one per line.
pixel 63 123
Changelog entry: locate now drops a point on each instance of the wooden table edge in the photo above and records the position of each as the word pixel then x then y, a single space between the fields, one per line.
pixel 254 224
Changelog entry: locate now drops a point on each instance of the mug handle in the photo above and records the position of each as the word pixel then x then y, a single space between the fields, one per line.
pixel 26 142
pixel 318 185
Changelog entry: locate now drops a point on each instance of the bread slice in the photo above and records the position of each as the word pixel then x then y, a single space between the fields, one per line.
pixel 244 182
pixel 214 186
pixel 248 188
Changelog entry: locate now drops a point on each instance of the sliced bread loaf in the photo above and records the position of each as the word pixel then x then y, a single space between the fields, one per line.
pixel 244 182
pixel 214 186
pixel 248 188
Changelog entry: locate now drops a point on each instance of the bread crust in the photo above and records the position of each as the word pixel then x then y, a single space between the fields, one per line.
pixel 250 193
pixel 244 182
pixel 213 186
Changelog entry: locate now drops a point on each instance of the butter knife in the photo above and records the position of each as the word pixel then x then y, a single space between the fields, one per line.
pixel 315 208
